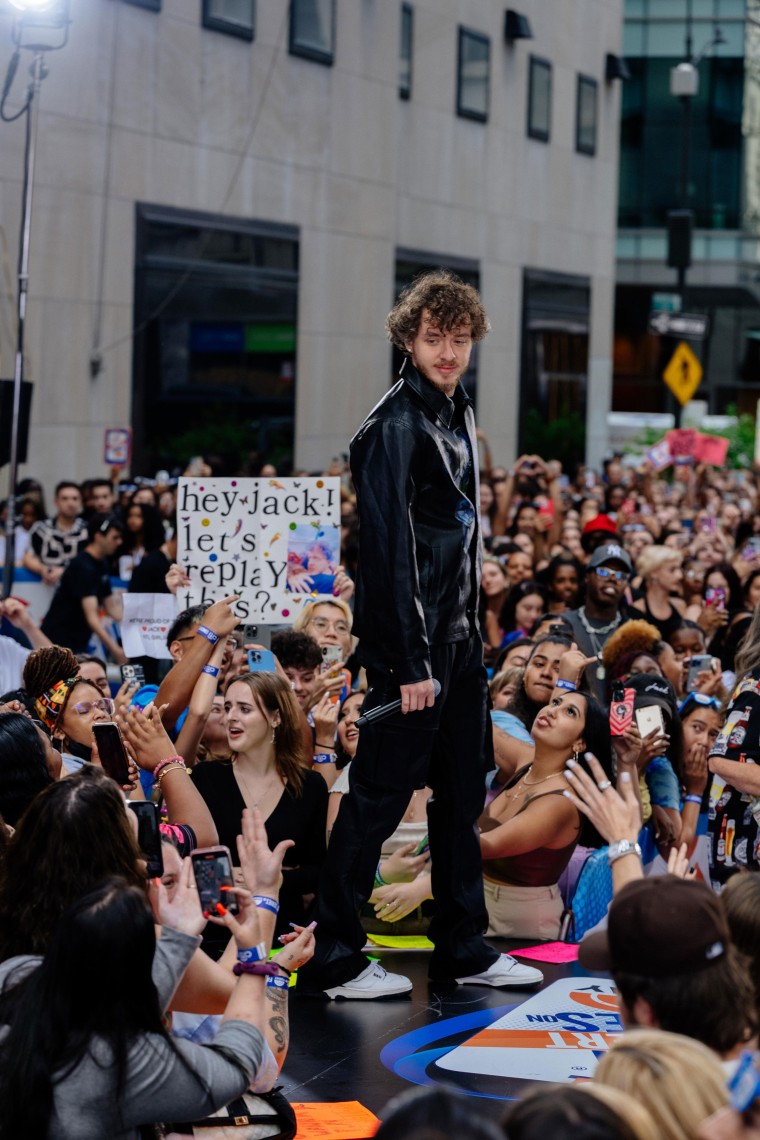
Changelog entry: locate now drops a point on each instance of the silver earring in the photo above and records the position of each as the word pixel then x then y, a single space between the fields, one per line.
pixel 576 756
pixel 274 733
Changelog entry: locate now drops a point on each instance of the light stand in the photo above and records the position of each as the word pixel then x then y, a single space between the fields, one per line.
pixel 33 18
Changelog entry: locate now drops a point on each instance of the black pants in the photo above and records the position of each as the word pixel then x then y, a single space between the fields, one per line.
pixel 448 748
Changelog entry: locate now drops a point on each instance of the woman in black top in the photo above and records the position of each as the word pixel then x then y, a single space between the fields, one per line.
pixel 268 772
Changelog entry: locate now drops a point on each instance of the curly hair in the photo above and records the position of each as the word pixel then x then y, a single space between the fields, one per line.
pixel 46 667
pixel 626 643
pixel 448 300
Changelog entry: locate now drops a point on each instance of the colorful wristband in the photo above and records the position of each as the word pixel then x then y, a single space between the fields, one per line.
pixel 165 763
pixel 562 684
pixel 691 799
pixel 325 757
pixel 276 982
pixel 255 968
pixel 254 954
pixel 212 670
pixel 379 880
pixel 266 903
pixel 204 631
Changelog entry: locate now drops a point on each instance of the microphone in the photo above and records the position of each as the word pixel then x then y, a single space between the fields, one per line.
pixel 383 711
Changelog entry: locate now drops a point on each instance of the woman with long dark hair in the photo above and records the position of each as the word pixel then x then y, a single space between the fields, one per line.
pixel 86 1065
pixel 525 602
pixel 530 830
pixel 24 765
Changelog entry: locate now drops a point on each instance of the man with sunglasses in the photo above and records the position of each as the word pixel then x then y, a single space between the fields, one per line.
pixel 607 576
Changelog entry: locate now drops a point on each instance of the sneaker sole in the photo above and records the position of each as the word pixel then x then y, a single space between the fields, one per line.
pixel 499 985
pixel 365 995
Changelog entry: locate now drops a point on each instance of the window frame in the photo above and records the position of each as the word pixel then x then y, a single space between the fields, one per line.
pixel 406 34
pixel 148 5
pixel 588 83
pixel 536 63
pixel 228 27
pixel 305 51
pixel 463 111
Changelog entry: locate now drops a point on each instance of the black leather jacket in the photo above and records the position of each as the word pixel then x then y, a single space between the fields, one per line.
pixel 419 533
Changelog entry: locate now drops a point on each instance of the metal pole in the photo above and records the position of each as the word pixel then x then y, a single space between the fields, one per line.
pixel 38 72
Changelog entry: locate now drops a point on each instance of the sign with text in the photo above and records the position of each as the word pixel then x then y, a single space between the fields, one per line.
pixel 147 620
pixel 274 542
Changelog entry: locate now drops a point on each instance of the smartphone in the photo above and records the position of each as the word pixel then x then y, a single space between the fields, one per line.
pixel 257 635
pixel 715 596
pixel 212 867
pixel 331 655
pixel 648 719
pixel 111 750
pixel 699 663
pixel 423 846
pixel 709 525
pixel 261 661
pixel 621 711
pixel 133 673
pixel 149 835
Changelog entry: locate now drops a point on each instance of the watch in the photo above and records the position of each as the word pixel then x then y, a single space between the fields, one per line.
pixel 621 848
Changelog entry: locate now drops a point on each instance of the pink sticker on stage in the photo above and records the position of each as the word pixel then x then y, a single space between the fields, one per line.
pixel 549 952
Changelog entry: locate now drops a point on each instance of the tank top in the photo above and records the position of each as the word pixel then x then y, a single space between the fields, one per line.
pixel 539 868
pixel 666 625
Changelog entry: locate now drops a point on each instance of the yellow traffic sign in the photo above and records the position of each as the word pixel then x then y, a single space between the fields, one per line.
pixel 683 374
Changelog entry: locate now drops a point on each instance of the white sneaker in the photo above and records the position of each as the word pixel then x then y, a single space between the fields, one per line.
pixel 505 971
pixel 374 982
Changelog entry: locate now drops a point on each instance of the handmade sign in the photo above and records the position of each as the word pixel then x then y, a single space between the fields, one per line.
pixel 146 622
pixel 274 542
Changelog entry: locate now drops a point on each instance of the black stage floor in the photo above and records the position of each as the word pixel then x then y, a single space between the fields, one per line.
pixel 371 1050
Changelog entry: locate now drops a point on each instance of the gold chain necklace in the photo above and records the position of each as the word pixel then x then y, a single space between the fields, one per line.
pixel 526 783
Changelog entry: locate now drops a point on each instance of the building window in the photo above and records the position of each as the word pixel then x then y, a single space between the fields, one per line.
pixel 312 29
pixel 585 115
pixel 473 75
pixel 151 5
pixel 405 52
pixel 540 99
pixel 235 17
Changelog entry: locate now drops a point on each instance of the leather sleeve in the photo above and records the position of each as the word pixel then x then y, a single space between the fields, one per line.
pixel 382 465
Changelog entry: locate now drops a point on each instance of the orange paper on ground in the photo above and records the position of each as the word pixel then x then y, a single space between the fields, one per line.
pixel 342 1120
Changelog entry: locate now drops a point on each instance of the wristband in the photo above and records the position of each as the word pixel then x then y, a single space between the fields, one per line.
pixel 209 634
pixel 691 799
pixel 270 968
pixel 275 982
pixel 265 902
pixel 325 757
pixel 165 763
pixel 379 880
pixel 254 954
pixel 212 670
pixel 569 685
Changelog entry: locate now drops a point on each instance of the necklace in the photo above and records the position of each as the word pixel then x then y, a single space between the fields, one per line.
pixel 526 783
pixel 254 803
pixel 594 634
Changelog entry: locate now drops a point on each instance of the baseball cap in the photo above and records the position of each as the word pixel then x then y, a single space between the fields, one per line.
pixel 609 552
pixel 600 524
pixel 658 927
pixel 653 690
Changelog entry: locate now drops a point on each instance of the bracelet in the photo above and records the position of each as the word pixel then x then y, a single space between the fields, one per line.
pixel 275 982
pixel 569 685
pixel 254 954
pixel 622 848
pixel 265 902
pixel 329 746
pixel 379 880
pixel 255 968
pixel 284 969
pixel 179 766
pixel 209 634
pixel 692 799
pixel 325 757
pixel 212 670
pixel 163 764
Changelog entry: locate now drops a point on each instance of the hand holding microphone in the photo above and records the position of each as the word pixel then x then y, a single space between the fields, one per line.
pixel 382 711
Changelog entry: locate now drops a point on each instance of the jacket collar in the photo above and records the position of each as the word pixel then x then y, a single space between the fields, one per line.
pixel 442 406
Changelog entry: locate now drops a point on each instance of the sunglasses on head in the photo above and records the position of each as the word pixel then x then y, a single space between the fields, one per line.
pixel 698 699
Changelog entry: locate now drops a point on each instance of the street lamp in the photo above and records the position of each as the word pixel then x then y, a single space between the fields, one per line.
pixel 41 26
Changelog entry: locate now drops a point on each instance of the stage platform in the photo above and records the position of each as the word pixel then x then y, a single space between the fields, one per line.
pixel 369 1051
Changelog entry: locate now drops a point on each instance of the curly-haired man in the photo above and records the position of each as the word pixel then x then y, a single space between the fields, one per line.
pixel 414 466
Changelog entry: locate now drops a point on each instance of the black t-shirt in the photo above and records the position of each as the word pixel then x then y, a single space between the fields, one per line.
pixel 732 830
pixel 300 818
pixel 65 623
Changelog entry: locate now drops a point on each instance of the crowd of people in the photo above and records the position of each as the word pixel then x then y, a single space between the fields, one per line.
pixel 620 619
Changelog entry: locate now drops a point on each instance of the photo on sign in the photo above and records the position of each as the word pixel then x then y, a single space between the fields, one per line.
pixel 313 559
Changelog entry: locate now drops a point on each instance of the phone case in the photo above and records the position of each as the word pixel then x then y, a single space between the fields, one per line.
pixel 649 718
